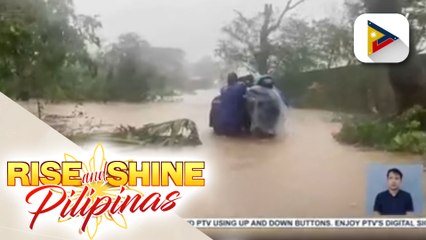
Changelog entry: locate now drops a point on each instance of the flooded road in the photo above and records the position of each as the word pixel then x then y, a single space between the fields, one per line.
pixel 305 173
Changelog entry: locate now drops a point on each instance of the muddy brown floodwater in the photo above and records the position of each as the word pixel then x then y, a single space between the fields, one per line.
pixel 305 173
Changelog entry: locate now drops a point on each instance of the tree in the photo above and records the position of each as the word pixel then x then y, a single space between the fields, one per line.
pixel 250 39
pixel 124 69
pixel 414 10
pixel 38 39
pixel 295 48
pixel 408 79
pixel 133 70
pixel 334 43
pixel 305 46
pixel 170 65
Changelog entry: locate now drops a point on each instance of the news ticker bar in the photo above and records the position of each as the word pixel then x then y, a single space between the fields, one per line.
pixel 255 223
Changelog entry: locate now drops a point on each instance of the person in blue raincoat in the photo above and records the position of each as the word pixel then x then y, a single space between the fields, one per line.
pixel 232 115
pixel 247 81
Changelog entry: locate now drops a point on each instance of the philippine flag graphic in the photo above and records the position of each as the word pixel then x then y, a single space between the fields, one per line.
pixel 381 38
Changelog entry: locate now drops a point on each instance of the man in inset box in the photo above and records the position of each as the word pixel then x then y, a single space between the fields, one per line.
pixel 394 201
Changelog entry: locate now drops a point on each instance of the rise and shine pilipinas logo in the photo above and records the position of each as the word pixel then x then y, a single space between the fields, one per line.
pixel 101 190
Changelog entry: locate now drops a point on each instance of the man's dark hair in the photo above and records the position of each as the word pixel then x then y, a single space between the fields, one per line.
pixel 232 78
pixel 395 171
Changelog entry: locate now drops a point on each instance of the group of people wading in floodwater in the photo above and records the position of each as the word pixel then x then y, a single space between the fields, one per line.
pixel 248 108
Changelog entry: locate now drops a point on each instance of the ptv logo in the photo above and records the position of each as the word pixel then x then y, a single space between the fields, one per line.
pixel 378 38
pixel 381 38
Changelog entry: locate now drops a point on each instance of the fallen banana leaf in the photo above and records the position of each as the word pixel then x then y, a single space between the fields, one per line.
pixel 181 132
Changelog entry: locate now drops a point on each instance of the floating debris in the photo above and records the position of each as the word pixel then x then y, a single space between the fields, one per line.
pixel 79 127
pixel 181 132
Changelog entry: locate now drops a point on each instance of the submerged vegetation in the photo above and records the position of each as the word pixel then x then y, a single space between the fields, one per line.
pixel 405 132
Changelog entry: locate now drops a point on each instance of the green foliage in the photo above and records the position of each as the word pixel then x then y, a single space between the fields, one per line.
pixel 406 132
pixel 375 133
pixel 38 39
pixel 294 47
pixel 44 54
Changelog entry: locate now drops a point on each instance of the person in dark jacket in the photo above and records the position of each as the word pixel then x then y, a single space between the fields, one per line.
pixel 214 115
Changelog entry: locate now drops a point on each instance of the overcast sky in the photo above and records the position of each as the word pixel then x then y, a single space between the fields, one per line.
pixel 191 25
